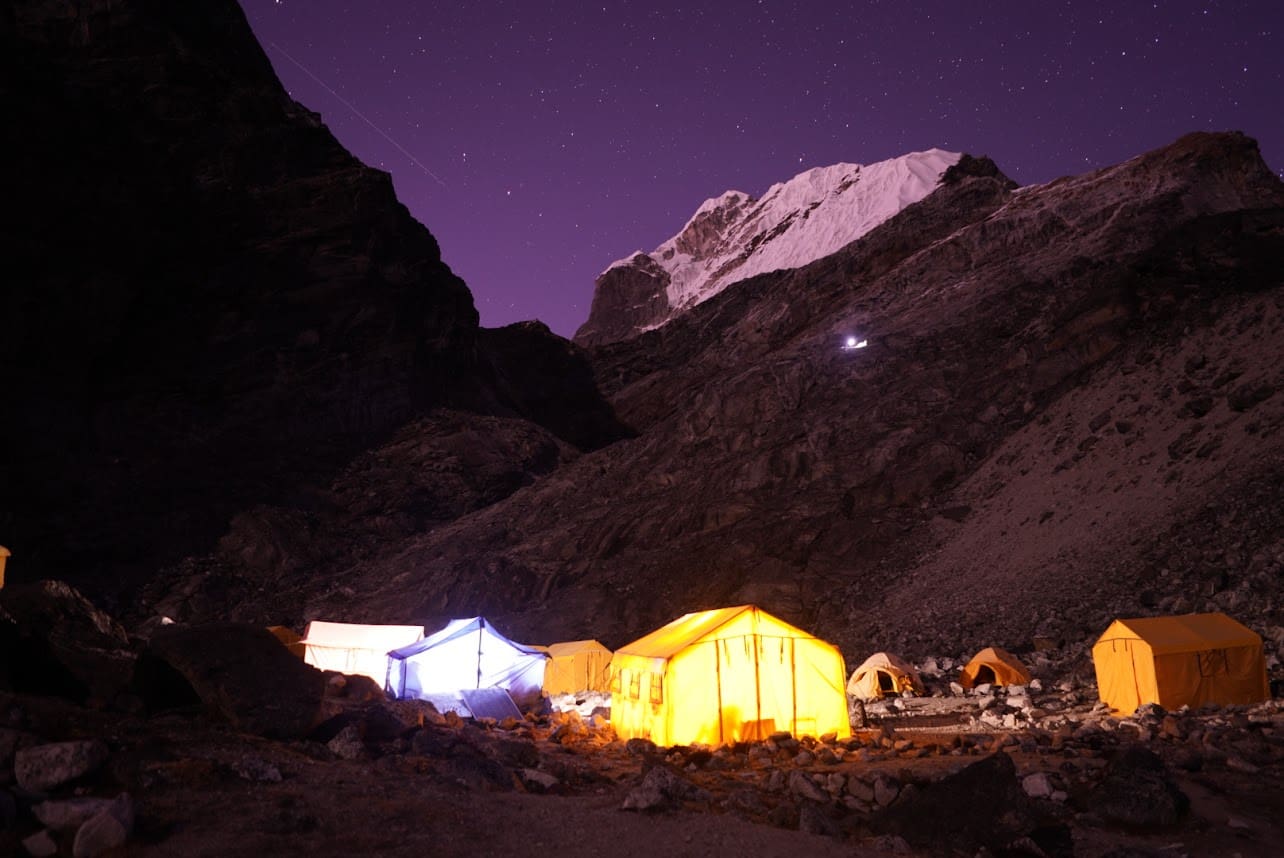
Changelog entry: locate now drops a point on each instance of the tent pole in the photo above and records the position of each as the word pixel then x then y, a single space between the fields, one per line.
pixel 717 669
pixel 757 678
pixel 793 685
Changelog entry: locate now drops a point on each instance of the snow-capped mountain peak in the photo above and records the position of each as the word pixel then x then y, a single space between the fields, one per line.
pixel 734 236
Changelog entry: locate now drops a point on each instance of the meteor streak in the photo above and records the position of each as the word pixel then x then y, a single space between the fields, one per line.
pixel 384 134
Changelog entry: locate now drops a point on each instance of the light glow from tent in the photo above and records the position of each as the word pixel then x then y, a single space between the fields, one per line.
pixel 852 343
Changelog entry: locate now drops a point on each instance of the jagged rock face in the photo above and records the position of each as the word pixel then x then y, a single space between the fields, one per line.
pixel 890 497
pixel 627 298
pixel 734 236
pixel 218 305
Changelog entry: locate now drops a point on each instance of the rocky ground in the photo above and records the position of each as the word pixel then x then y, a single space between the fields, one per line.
pixel 219 743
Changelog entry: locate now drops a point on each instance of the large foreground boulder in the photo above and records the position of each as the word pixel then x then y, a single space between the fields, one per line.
pixel 1138 792
pixel 982 806
pixel 239 672
pixel 54 642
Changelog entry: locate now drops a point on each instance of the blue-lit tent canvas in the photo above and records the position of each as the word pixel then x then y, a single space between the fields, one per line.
pixel 466 654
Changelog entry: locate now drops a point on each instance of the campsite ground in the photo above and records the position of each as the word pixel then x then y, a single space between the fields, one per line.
pixel 558 786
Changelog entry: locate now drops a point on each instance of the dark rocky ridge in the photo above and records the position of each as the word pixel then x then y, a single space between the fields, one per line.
pixel 212 304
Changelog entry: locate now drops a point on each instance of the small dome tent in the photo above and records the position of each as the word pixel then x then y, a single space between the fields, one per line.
pixel 1179 661
pixel 577 666
pixel 355 648
pixel 466 654
pixel 883 674
pixel 727 675
pixel 994 666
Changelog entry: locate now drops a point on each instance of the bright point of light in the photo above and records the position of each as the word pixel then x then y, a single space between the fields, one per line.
pixel 851 342
pixel 854 343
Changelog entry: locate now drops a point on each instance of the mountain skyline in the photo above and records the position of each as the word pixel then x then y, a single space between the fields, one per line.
pixel 541 144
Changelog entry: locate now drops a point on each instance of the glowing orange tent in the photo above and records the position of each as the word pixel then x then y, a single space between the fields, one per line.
pixel 1179 661
pixel 727 675
pixel 577 666
pixel 4 556
pixel 994 666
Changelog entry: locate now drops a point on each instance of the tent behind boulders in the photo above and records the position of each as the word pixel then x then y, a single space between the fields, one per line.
pixel 1179 661
pixel 994 666
pixel 466 654
pixel 883 674
pixel 727 675
pixel 577 666
pixel 355 648
pixel 289 639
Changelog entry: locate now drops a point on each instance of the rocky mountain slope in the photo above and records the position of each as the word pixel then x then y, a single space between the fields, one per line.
pixel 1069 409
pixel 244 382
pixel 735 236
pixel 212 304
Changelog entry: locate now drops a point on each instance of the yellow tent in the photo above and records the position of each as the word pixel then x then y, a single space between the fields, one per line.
pixel 727 675
pixel 355 648
pixel 994 666
pixel 577 666
pixel 882 674
pixel 1179 661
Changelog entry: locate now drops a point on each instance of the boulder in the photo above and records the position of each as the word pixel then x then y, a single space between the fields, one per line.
pixel 516 753
pixel 860 790
pixel 886 789
pixel 68 813
pixel 256 769
pixel 1138 792
pixel 107 829
pixel 46 767
pixel 662 788
pixel 1037 785
pixel 804 787
pixel 240 672
pixel 68 648
pixel 348 744
pixel 11 741
pixel 538 780
pixel 983 805
pixel 40 844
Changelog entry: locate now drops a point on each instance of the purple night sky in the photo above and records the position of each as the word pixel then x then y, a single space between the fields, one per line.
pixel 541 141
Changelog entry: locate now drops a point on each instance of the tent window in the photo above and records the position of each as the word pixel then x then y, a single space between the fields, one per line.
pixel 1213 663
pixel 616 683
pixel 635 685
pixel 657 689
pixel 886 683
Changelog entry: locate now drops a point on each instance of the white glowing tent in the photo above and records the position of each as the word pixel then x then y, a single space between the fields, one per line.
pixel 466 654
pixel 355 648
